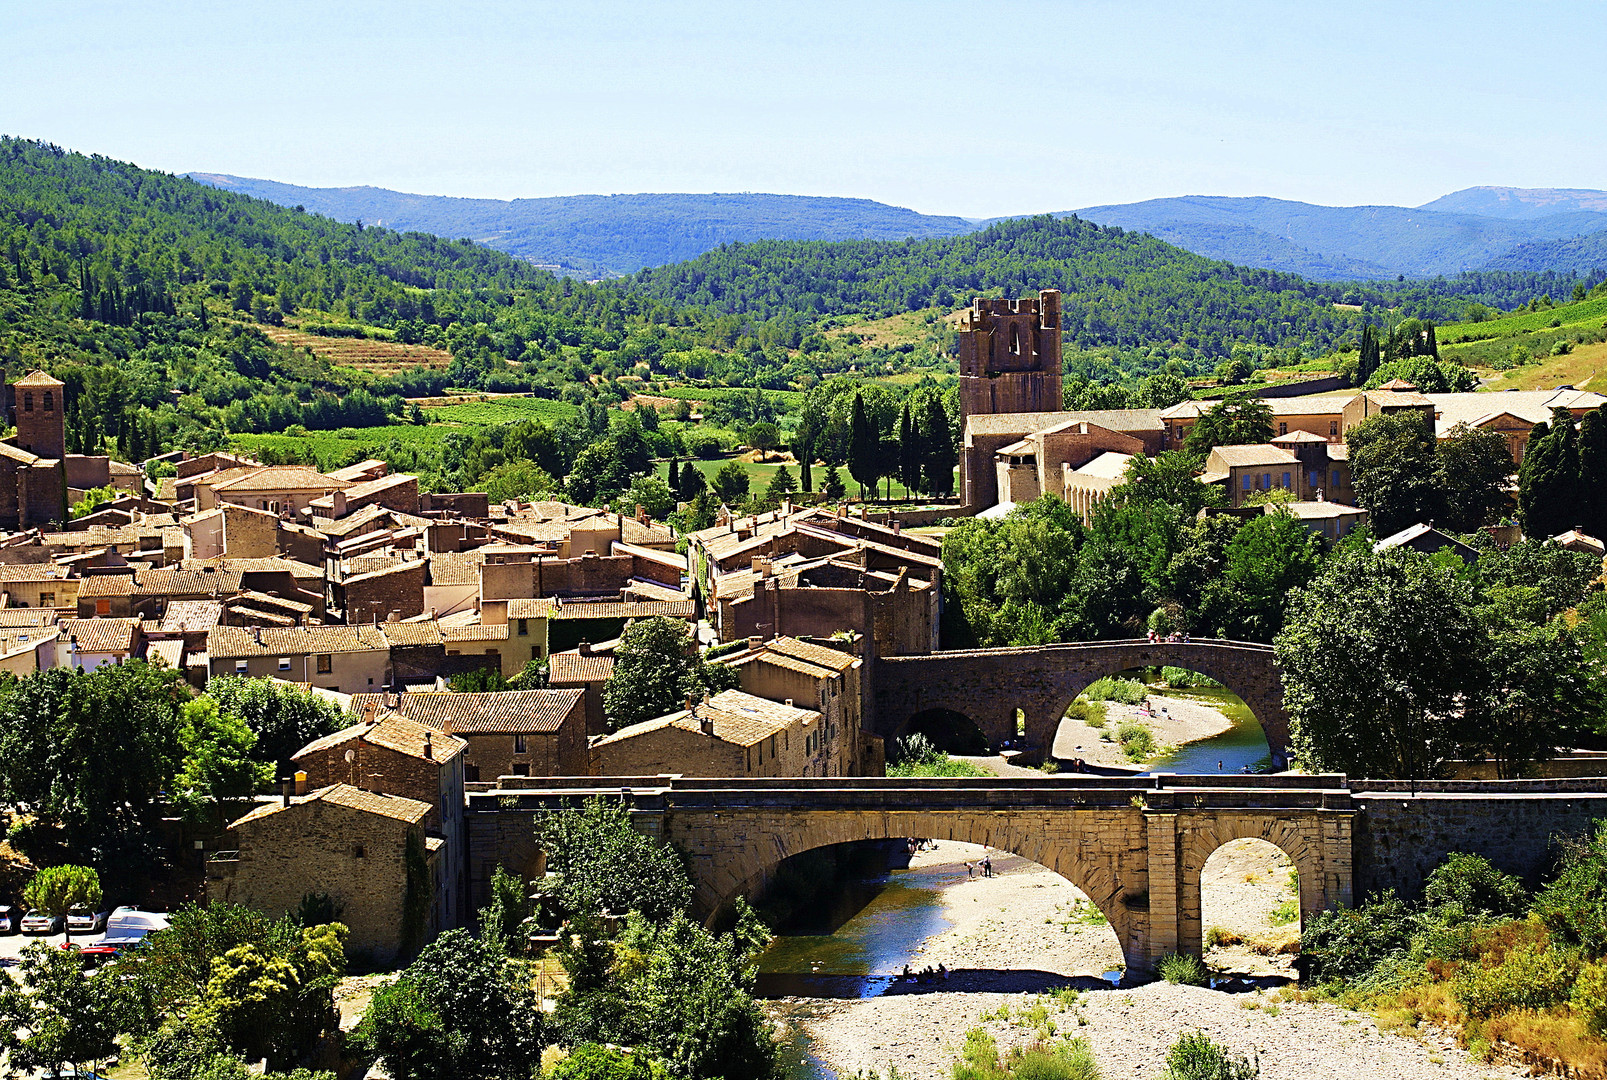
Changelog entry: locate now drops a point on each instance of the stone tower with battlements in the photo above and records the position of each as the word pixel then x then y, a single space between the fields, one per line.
pixel 1010 355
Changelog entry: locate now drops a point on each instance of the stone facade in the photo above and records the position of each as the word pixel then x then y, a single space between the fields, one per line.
pixel 1010 355
pixel 989 685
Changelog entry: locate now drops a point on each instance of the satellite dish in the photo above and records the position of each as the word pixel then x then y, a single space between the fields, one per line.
pixel 350 757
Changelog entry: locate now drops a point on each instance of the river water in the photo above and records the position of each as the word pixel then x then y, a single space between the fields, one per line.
pixel 1242 747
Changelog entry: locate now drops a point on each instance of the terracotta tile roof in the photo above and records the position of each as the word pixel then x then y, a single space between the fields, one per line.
pixel 394 733
pixel 106 585
pixel 824 655
pixel 170 653
pixel 23 617
pixel 101 635
pixel 1252 455
pixel 354 473
pixel 408 811
pixel 33 572
pixel 456 568
pixel 738 718
pixel 571 667
pixel 411 633
pixel 299 570
pixel 38 378
pixel 477 632
pixel 369 572
pixel 190 615
pixel 232 642
pixel 171 582
pixel 279 478
pixel 550 608
pixel 510 712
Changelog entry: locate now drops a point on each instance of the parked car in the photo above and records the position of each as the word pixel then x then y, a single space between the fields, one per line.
pixel 84 921
pixel 37 922
pixel 126 929
pixel 10 919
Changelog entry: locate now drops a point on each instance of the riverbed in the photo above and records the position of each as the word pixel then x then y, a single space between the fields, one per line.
pixel 1009 942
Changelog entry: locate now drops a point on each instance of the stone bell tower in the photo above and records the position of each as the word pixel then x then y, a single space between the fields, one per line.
pixel 1010 355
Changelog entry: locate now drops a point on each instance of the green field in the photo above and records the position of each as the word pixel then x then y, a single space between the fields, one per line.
pixel 1592 312
pixel 786 399
pixel 501 411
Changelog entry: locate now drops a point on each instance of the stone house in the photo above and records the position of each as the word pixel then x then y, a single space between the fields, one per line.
pixel 397 588
pixel 731 734
pixel 87 644
pixel 346 659
pixel 398 491
pixel 1086 485
pixel 587 671
pixel 825 679
pixel 895 609
pixel 1310 467
pixel 349 844
pixel 1330 520
pixel 539 625
pixel 394 756
pixel 38 585
pixel 279 489
pixel 513 733
pixel 33 477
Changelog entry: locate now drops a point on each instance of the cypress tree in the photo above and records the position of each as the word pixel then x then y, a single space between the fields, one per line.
pixel 909 451
pixel 1431 344
pixel 674 479
pixel 1592 488
pixel 1368 361
pixel 939 455
pixel 864 448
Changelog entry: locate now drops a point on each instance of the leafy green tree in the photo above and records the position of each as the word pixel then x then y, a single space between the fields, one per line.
pixel 1535 695
pixel 938 454
pixel 60 1016
pixel 593 1061
pixel 865 462
pixel 91 754
pixel 284 718
pixel 1472 469
pixel 480 680
pixel 218 764
pixel 603 863
pixel 599 474
pixel 909 451
pixel 458 1012
pixel 1574 904
pixel 651 494
pixel 693 483
pixel 173 966
pixel 56 890
pixel 781 487
pixel 1592 509
pixel 1370 354
pixel 1266 562
pixel 522 480
pixel 763 437
pixel 1166 479
pixel 502 920
pixel 1237 420
pixel 1376 655
pixel 731 484
pixel 1234 370
pixel 1548 479
pixel 1560 577
pixel 831 484
pixel 1393 460
pixel 1162 390
pixel 657 666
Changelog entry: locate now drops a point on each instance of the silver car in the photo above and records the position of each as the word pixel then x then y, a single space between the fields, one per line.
pixel 84 921
pixel 38 922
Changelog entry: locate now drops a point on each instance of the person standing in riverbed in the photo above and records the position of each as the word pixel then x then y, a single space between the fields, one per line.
pixel 987 865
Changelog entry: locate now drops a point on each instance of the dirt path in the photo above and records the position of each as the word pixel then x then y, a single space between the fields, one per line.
pixel 1020 935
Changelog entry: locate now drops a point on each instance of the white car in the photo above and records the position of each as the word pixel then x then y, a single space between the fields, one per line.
pixel 38 922
pixel 83 921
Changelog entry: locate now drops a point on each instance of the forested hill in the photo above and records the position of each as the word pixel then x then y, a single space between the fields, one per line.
pixel 597 234
pixel 1119 288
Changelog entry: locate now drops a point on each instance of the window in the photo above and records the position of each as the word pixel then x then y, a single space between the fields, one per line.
pixel 239 667
pixel 471 774
pixel 522 769
pixel 27 401
pixel 1333 429
pixel 519 745
pixel 454 652
pixel 1286 480
pixel 358 852
pixel 284 663
pixel 47 599
pixel 1266 481
pixel 103 605
pixel 326 664
pixel 524 627
pixel 50 401
pixel 371 680
pixel 1249 482
pixel 1283 429
pixel 1336 478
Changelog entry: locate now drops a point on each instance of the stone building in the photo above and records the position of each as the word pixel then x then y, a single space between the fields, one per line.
pixel 346 659
pixel 395 756
pixel 585 670
pixel 1010 355
pixel 513 733
pixel 1035 450
pixel 349 844
pixel 731 734
pixel 33 477
pixel 898 611
pixel 826 679
pixel 1299 462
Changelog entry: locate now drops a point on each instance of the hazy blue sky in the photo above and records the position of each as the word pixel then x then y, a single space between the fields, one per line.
pixel 965 108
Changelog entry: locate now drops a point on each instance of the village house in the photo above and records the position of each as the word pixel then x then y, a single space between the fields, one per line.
pixel 586 670
pixel 513 733
pixel 732 733
pixel 824 678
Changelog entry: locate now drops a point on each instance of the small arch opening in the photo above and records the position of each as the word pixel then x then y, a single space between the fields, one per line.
pixel 1015 340
pixel 949 731
pixel 1250 909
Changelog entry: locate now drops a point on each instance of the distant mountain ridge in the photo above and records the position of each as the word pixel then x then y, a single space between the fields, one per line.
pixel 620 234
pixel 1479 228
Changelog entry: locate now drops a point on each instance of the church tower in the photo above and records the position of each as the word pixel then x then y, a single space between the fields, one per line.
pixel 37 406
pixel 1010 355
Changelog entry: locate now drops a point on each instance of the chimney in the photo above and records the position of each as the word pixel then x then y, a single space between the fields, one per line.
pixel 756 643
pixel 706 725
pixel 789 703
pixel 895 526
pixel 429 747
pixel 339 501
pixel 395 616
pixel 284 791
pixel 641 514
pixel 256 634
pixel 301 782
pixel 758 564
pixel 691 705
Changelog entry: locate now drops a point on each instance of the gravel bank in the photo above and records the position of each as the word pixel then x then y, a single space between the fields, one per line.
pixel 1025 932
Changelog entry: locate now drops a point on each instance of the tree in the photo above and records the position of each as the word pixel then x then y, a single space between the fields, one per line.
pixel 284 718
pixel 173 966
pixel 831 484
pixel 1393 467
pixel 91 754
pixel 731 484
pixel 656 667
pixel 1536 695
pixel 599 473
pixel 1471 472
pixel 458 1012
pixel 673 480
pixel 218 764
pixel 1234 421
pixel 68 1017
pixel 1268 560
pixel 937 442
pixel 909 451
pixel 1549 493
pixel 651 494
pixel 502 920
pixel 522 480
pixel 780 488
pixel 56 890
pixel 604 863
pixel 1368 361
pixel 1377 656
pixel 692 482
pixel 1591 512
pixel 1162 390
pixel 1234 370
pixel 865 463
pixel 763 437
pixel 1168 478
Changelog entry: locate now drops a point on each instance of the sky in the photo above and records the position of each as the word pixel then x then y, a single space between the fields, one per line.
pixel 976 109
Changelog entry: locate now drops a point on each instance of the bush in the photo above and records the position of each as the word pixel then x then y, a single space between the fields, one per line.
pixel 1529 976
pixel 1590 997
pixel 1181 969
pixel 1138 742
pixel 1066 1059
pixel 1475 887
pixel 1091 713
pixel 591 1061
pixel 1347 943
pixel 1183 678
pixel 1115 688
pixel 1574 906
pixel 1195 1057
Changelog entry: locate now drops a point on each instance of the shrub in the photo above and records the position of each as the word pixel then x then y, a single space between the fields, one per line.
pixel 1530 976
pixel 1475 887
pixel 1181 969
pixel 1590 997
pixel 1138 742
pixel 1115 688
pixel 1219 938
pixel 1182 678
pixel 1347 943
pixel 1070 1059
pixel 1195 1057
pixel 1574 906
pixel 1091 713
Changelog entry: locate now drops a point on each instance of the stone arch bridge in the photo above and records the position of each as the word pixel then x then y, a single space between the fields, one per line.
pixel 989 685
pixel 1135 846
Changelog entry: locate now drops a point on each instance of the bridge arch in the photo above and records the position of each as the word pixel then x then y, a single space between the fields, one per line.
pixel 989 685
pixel 720 881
